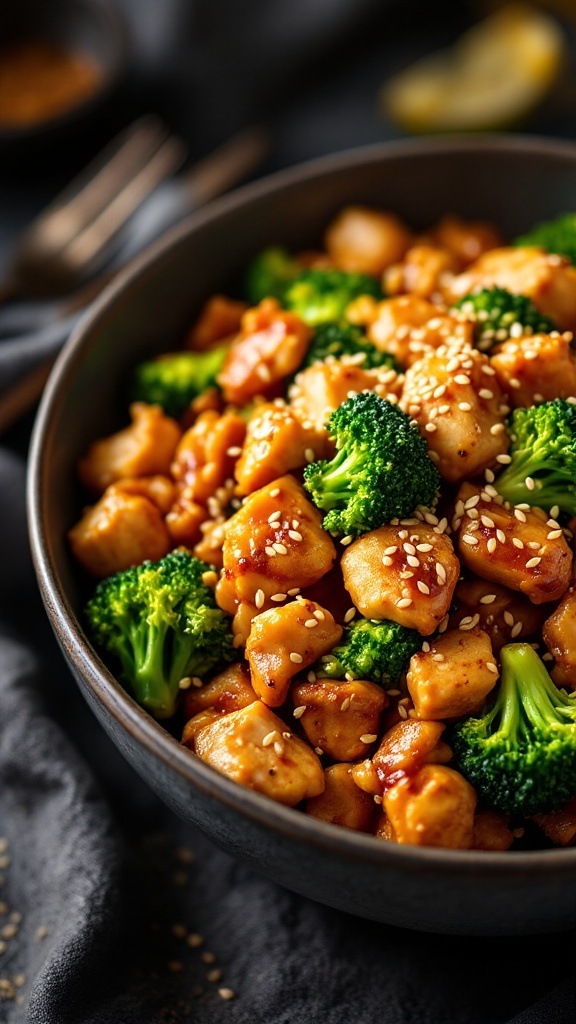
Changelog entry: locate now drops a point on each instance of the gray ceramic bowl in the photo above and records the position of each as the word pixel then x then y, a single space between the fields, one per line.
pixel 511 180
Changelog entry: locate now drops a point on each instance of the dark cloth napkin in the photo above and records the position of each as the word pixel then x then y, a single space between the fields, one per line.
pixel 112 910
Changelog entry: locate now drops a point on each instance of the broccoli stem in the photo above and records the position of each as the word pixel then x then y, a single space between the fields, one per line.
pixel 337 482
pixel 527 685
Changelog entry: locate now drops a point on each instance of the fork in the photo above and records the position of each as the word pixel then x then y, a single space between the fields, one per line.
pixel 60 253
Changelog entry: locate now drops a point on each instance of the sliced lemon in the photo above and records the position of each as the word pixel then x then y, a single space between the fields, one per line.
pixel 495 74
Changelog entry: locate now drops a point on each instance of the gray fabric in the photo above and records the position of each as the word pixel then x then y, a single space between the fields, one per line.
pixel 97 863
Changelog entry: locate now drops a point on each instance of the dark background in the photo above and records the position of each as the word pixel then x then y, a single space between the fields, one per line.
pixel 95 859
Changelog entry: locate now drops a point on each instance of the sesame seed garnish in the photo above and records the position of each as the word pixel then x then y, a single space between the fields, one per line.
pixel 272 518
pixel 350 615
pixel 278 597
pixel 259 598
pixel 185 683
pixel 491 545
pixel 438 657
pixel 413 561
pixel 293 591
pixel 497 428
pixel 516 629
pixel 270 551
pixel 554 534
pixel 518 543
pixel 423 547
pixel 554 512
pixel 226 993
pixel 423 587
pixel 529 483
pixel 409 548
pixel 310 623
pixel 464 406
pixel 402 711
pixel 504 460
pixel 309 455
pixel 508 618
pixel 386 560
pixel 486 521
pixel 461 378
pixel 296 658
pixel 347 540
pixel 520 515
pixel 441 571
pixel 294 535
pixel 368 737
pixel 274 492
pixel 488 599
pixel 214 975
pixel 345 704
pixel 319 614
pixel 430 428
pixel 469 539
pixel 267 742
pixel 281 549
pixel 319 751
pixel 299 711
pixel 533 562
pixel 486 393
pixel 404 602
pixel 501 536
pixel 492 667
pixel 234 451
pixel 390 550
pixel 278 748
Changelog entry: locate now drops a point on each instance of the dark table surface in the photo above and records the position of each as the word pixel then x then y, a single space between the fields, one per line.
pixel 103 890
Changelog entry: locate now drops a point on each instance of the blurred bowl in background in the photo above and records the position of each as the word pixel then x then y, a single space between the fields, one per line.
pixel 61 66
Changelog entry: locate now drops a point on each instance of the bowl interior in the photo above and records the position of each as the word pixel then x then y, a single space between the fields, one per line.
pixel 510 181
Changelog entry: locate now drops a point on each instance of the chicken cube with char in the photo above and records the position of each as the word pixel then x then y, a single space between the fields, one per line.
pixel 453 395
pixel 504 614
pixel 433 807
pixel 404 749
pixel 408 327
pixel 252 746
pixel 284 641
pixel 406 573
pixel 122 529
pixel 320 389
pixel 559 635
pixel 144 448
pixel 466 240
pixel 220 318
pixel 270 346
pixel 228 691
pixel 277 441
pixel 519 548
pixel 185 517
pixel 454 676
pixel 365 240
pixel 537 368
pixel 342 803
pixel 274 544
pixel 423 271
pixel 340 718
pixel 547 279
pixel 207 453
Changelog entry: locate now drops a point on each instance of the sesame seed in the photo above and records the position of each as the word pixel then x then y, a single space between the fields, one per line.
pixel 402 711
pixel 423 587
pixel 520 516
pixel 486 393
pixel 496 429
pixel 464 406
pixel 319 751
pixel 270 551
pixel 214 975
pixel 438 657
pixel 413 561
pixel 319 614
pixel 259 598
pixel 278 597
pixel 430 428
pixel 310 623
pixel 469 539
pixel 404 602
pixel 269 738
pixel 491 545
pixel 441 571
pixel 299 711
pixel 501 536
pixel 309 455
pixel 272 518
pixel 508 618
pixel 554 534
pixel 296 658
pixel 294 535
pixel 518 543
pixel 488 599
pixel 347 540
pixel 345 704
pixel 293 591
pixel 234 451
pixel 516 629
pixel 439 391
pixel 424 547
pixel 350 615
pixel 185 683
pixel 278 748
pixel 555 512
pixel 461 378
pixel 281 549
pixel 226 993
pixel 274 492
pixel 368 737
pixel 409 548
pixel 533 562
pixel 486 521
pixel 504 460
pixel 529 483
pixel 387 560
pixel 492 667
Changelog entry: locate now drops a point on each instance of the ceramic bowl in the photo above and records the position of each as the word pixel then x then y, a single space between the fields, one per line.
pixel 512 181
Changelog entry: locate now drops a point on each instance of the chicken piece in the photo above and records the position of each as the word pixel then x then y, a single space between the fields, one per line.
pixel 330 592
pixel 284 641
pixel 517 547
pixel 274 545
pixel 228 691
pixel 321 388
pixel 252 746
pixel 195 725
pixel 536 369
pixel 505 615
pixel 207 453
pixel 384 829
pixel 433 807
pixel 209 547
pixel 424 271
pixel 144 448
pixel 342 803
pixel 220 318
pixel 160 490
pixel 341 719
pixel 404 749
pixel 185 518
pixel 120 530
pixel 366 777
pixel 366 241
pixel 491 831
pixel 276 442
pixel 271 345
pixel 454 676
pixel 466 240
pixel 459 407
pixel 406 573
pixel 559 826
pixel 559 635
pixel 547 279
pixel 408 327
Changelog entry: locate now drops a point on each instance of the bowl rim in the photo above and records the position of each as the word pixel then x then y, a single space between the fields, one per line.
pixel 104 13
pixel 104 687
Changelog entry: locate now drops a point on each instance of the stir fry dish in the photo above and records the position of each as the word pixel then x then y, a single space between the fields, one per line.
pixel 332 548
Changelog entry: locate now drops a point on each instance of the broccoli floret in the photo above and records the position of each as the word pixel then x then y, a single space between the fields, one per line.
pixel 381 469
pixel 339 338
pixel 520 755
pixel 317 296
pixel 557 235
pixel 373 649
pixel 269 274
pixel 494 310
pixel 175 379
pixel 161 623
pixel 543 451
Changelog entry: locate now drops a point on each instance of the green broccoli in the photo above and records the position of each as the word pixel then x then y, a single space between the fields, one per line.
pixel 174 379
pixel 495 311
pixel 339 338
pixel 543 452
pixel 161 623
pixel 557 235
pixel 320 295
pixel 381 469
pixel 373 649
pixel 520 755
pixel 269 274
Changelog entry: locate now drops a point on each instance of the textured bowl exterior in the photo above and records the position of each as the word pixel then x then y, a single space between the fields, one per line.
pixel 513 181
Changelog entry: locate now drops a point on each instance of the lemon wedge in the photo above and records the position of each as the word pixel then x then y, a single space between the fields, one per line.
pixel 497 73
